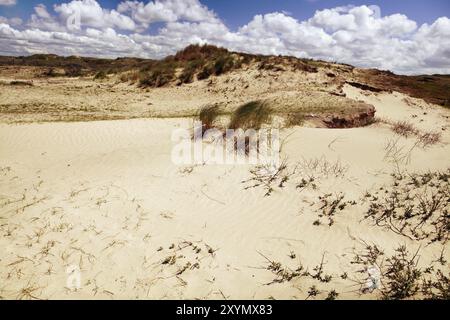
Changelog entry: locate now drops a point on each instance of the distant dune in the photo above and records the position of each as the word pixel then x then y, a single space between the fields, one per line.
pixel 93 207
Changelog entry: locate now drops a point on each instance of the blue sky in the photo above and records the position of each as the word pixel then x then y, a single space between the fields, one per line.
pixel 238 12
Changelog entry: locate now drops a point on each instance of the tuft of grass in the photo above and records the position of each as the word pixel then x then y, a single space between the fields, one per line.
pixel 130 76
pixel 429 139
pixel 404 129
pixel 207 116
pixel 251 115
pixel 295 119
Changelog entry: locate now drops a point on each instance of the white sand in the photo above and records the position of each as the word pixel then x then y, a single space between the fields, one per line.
pixel 104 197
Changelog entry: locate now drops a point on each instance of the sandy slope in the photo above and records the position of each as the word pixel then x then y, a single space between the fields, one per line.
pixel 105 198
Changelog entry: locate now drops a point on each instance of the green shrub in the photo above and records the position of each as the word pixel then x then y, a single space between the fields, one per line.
pixel 223 64
pixel 206 72
pixel 157 77
pixel 187 76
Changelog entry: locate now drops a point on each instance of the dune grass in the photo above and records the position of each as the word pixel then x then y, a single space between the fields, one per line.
pixel 251 115
pixel 207 116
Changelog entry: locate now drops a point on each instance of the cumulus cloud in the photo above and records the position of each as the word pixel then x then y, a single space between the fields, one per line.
pixel 11 21
pixel 91 14
pixel 356 35
pixel 166 11
pixel 7 2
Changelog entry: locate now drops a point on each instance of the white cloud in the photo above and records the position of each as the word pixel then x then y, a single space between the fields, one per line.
pixel 93 15
pixel 355 35
pixel 166 11
pixel 11 21
pixel 7 2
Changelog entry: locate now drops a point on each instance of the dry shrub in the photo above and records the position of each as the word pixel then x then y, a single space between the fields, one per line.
pixel 269 177
pixel 330 206
pixel 404 128
pixel 158 76
pixel 438 288
pixel 429 138
pixel 407 129
pixel 322 166
pixel 399 275
pixel 398 279
pixel 130 76
pixel 416 206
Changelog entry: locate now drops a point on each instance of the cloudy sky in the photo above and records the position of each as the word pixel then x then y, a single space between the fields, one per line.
pixel 405 36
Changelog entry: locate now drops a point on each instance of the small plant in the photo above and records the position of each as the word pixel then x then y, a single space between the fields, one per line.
pixel 323 167
pixel 330 206
pixel 332 295
pixel 313 292
pixel 269 177
pixel 130 76
pixel 401 276
pixel 283 273
pixel 404 128
pixel 429 139
pixel 319 272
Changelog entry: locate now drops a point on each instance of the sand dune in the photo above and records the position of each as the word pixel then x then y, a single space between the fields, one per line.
pixel 101 202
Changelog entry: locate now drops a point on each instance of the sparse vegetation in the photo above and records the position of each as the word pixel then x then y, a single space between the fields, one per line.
pixel 399 276
pixel 295 119
pixel 207 116
pixel 251 115
pixel 330 205
pixel 323 167
pixel 269 176
pixel 416 206
pixel 101 75
pixel 158 76
pixel 404 128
